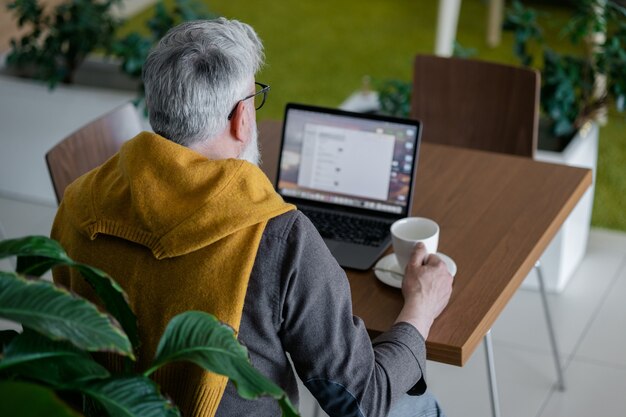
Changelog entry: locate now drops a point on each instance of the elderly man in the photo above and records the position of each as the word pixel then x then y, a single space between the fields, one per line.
pixel 184 220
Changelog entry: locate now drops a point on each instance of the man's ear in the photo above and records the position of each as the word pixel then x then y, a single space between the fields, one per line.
pixel 239 122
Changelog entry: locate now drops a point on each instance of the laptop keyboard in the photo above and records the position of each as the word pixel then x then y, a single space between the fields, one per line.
pixel 348 228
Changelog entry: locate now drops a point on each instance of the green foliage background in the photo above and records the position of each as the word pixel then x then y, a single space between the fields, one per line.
pixel 318 52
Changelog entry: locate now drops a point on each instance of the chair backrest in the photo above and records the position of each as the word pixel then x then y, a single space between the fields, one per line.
pixel 270 132
pixel 91 145
pixel 476 104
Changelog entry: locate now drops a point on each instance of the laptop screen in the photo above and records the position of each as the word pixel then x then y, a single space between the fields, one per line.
pixel 348 159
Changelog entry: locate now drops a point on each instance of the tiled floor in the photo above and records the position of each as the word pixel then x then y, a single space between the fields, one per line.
pixel 588 319
pixel 589 315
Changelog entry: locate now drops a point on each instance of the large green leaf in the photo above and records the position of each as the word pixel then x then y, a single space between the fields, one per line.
pixel 36 357
pixel 29 400
pixel 33 247
pixel 114 299
pixel 56 313
pixel 129 397
pixel 200 338
pixel 37 254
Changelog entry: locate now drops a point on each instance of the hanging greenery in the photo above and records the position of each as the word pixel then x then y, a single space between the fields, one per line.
pixel 576 88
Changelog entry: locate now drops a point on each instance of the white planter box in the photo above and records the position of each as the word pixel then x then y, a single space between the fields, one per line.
pixel 567 249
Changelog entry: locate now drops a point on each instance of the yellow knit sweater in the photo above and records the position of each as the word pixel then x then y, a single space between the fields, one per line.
pixel 179 232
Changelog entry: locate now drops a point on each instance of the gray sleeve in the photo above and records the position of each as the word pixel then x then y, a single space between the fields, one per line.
pixel 348 373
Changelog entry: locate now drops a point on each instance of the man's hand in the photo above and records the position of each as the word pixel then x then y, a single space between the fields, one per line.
pixel 426 288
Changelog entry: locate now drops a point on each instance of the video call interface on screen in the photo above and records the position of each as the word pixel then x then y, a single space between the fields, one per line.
pixel 347 160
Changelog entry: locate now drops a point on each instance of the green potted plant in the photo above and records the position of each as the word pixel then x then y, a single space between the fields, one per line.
pixel 57 43
pixel 50 361
pixel 578 86
pixel 56 46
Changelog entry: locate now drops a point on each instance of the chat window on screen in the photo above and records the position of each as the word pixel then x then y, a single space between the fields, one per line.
pixel 346 161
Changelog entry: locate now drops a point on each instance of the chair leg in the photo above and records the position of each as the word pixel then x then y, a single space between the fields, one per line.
pixel 491 373
pixel 555 351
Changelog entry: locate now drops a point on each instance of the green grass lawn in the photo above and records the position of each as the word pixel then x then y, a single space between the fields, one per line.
pixel 318 52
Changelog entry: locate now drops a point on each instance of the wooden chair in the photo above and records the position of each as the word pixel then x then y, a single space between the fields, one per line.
pixel 476 104
pixel 91 145
pixel 270 132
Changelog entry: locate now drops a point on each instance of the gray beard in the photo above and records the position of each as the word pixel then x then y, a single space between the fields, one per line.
pixel 251 152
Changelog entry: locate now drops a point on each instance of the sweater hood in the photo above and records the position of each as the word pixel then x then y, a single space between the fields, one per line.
pixel 170 198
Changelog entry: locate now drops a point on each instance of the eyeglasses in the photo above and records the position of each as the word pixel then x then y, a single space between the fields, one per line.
pixel 259 98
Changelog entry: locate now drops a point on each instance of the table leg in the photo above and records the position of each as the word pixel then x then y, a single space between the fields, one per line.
pixel 555 351
pixel 491 372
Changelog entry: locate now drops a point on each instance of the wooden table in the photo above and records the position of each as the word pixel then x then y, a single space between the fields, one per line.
pixel 497 214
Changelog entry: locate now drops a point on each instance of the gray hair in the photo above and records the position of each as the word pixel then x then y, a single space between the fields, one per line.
pixel 195 76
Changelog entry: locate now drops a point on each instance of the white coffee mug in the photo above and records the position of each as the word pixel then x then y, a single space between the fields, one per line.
pixel 407 232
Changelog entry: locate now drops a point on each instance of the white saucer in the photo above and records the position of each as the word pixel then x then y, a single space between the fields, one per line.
pixel 395 280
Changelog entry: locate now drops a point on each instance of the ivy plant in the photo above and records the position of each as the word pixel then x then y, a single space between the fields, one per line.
pixel 394 97
pixel 576 87
pixel 51 359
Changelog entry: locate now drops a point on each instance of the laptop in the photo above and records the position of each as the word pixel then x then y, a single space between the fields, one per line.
pixel 352 174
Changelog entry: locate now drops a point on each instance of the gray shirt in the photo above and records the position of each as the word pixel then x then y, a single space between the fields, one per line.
pixel 298 301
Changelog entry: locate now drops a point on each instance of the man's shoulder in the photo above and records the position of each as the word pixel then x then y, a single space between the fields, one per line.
pixel 293 240
pixel 290 224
